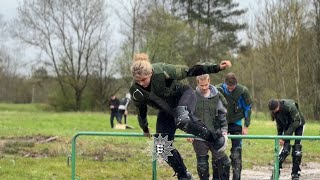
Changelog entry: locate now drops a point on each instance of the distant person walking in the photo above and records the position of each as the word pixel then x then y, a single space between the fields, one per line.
pixel 114 111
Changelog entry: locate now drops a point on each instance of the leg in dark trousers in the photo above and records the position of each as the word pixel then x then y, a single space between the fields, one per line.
pixel 125 119
pixel 167 127
pixel 201 149
pixel 236 151
pixel 297 154
pixel 122 114
pixel 112 115
pixel 118 117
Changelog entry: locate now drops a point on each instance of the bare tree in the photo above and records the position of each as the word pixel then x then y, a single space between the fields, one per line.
pixel 68 31
pixel 315 65
pixel 130 15
pixel 277 36
pixel 104 83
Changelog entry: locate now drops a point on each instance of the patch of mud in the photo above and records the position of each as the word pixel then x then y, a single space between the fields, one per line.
pixel 37 138
pixel 23 145
pixel 309 171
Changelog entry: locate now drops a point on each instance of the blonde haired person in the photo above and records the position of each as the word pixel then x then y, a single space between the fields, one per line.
pixel 210 108
pixel 158 86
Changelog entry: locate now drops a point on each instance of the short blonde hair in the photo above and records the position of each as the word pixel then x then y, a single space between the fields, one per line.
pixel 141 65
pixel 203 77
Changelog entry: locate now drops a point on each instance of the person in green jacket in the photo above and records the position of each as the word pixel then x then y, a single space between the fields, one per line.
pixel 210 108
pixel 238 108
pixel 289 120
pixel 158 85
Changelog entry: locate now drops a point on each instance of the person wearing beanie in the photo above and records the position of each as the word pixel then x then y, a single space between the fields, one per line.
pixel 238 108
pixel 289 121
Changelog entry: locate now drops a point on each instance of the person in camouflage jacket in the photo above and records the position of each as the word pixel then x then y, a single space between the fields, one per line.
pixel 238 108
pixel 289 120
pixel 210 108
pixel 159 86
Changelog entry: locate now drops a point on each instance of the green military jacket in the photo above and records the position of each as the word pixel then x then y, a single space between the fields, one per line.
pixel 288 118
pixel 234 112
pixel 165 88
pixel 212 110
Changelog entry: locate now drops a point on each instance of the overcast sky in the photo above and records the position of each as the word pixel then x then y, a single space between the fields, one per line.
pixel 8 11
pixel 8 7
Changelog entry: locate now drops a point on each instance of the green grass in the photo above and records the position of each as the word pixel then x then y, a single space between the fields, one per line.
pixel 24 155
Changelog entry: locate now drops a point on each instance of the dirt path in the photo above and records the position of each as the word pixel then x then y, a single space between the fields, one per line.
pixel 310 171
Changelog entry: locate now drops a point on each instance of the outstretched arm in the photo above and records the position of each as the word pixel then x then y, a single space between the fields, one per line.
pixel 200 69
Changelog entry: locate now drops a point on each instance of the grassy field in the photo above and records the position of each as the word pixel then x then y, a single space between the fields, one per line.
pixel 26 151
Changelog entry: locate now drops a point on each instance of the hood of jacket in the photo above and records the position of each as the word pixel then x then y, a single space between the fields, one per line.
pixel 213 91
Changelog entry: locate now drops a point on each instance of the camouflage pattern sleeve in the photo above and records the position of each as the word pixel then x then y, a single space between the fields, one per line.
pixel 221 115
pixel 222 98
pixel 200 69
pixel 248 101
pixel 178 72
pixel 295 115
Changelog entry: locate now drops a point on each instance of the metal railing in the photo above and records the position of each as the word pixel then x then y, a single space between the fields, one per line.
pixel 154 163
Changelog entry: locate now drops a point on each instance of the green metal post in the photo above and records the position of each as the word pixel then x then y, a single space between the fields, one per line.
pixel 154 163
pixel 276 159
pixel 154 169
pixel 73 158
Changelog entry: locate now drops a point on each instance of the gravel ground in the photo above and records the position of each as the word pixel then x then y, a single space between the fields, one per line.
pixel 309 171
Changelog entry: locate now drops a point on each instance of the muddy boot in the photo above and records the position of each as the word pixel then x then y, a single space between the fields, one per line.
pixel 296 161
pixel 203 167
pixel 236 162
pixel 176 162
pixel 295 176
pixel 187 176
pixel 215 170
pixel 223 167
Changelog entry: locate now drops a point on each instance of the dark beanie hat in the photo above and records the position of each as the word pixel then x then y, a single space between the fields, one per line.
pixel 230 79
pixel 273 104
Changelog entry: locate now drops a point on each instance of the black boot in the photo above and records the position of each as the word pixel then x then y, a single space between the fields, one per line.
pixel 236 162
pixel 296 161
pixel 223 167
pixel 295 176
pixel 285 151
pixel 188 176
pixel 176 162
pixel 215 169
pixel 203 167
